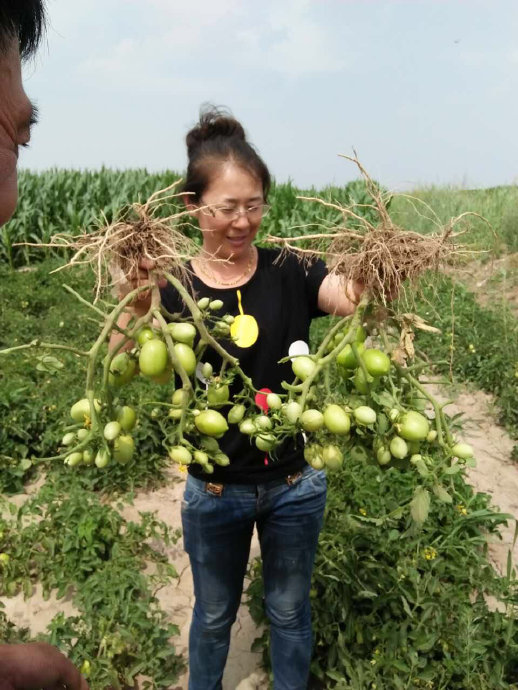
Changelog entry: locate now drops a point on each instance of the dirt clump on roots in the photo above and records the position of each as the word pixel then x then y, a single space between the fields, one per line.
pixel 115 251
pixel 380 255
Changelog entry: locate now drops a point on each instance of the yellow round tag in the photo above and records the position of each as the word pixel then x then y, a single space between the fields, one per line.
pixel 244 330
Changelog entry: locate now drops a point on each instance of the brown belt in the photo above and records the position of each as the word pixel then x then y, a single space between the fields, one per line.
pixel 217 489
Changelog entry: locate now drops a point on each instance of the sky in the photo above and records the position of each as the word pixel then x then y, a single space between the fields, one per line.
pixel 425 91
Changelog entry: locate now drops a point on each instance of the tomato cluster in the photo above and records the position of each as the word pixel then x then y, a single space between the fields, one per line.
pixel 381 415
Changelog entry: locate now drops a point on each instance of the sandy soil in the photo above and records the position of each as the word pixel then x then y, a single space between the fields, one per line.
pixel 495 474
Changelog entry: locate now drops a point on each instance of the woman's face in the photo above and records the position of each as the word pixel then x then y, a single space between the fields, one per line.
pixel 226 234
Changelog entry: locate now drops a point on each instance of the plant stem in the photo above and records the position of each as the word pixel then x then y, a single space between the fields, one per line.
pixel 47 346
pixel 321 362
pixel 204 333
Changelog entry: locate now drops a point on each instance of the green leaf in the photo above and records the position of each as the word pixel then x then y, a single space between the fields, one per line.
pixel 442 494
pixel 383 398
pixel 49 364
pixel 420 505
pixel 25 464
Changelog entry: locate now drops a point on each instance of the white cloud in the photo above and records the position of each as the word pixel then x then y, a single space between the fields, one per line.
pixel 287 38
pixel 294 39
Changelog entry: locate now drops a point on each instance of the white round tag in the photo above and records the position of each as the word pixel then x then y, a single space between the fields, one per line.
pixel 299 347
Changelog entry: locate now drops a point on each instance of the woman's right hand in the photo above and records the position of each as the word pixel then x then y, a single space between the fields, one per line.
pixel 142 303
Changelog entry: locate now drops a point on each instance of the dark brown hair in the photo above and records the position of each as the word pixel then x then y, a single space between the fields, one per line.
pixel 24 21
pixel 218 137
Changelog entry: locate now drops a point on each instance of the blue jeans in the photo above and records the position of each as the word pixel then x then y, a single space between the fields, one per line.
pixel 217 533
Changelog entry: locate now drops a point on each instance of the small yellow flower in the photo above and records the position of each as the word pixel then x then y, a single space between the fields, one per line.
pixel 429 553
pixel 462 509
pixel 182 468
pixel 363 511
pixel 471 347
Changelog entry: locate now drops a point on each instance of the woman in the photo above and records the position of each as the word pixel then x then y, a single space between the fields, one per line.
pixel 226 190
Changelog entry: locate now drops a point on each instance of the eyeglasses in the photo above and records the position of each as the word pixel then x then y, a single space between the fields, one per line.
pixel 222 212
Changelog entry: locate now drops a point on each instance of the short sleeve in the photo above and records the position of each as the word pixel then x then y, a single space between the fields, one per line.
pixel 315 274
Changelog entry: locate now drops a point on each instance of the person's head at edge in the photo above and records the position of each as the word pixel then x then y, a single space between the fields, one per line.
pixel 225 174
pixel 22 24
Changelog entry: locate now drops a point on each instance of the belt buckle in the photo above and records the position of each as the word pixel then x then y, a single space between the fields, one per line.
pixel 213 488
pixel 292 478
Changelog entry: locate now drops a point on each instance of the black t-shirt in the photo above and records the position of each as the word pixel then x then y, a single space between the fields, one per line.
pixel 282 297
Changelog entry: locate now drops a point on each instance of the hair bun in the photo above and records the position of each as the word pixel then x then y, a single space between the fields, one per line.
pixel 214 122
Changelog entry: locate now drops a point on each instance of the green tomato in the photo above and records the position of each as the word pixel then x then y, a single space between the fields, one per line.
pixel 263 422
pixel 82 434
pixel 311 420
pixel 102 458
pixel 462 451
pixel 361 334
pixel 182 332
pixel 218 394
pixel 181 455
pixel 346 357
pixel 383 455
pixel 88 456
pixel 364 415
pixel 207 370
pixel 123 449
pixel 221 459
pixel 203 303
pixel 111 431
pixel 303 366
pixel 201 457
pixel 265 442
pixel 393 414
pixel 186 357
pixel 236 414
pixel 337 420
pixel 209 444
pixel 153 358
pixel 127 418
pixel 247 427
pixel 180 398
pixel 215 305
pixel 292 411
pixel 144 335
pixel 376 362
pixel 74 459
pixel 398 448
pixel 68 439
pixel 211 423
pixel 311 451
pixel 333 457
pixel 317 463
pixel 273 401
pixel 80 411
pixel 412 426
pixel 361 382
pixel 123 368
